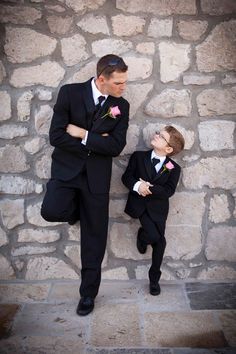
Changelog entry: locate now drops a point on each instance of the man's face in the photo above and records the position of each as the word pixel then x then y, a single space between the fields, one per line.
pixel 115 84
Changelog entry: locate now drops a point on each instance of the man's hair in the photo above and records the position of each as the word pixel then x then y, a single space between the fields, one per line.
pixel 176 140
pixel 110 63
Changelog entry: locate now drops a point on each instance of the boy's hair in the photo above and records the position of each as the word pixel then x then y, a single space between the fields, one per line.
pixel 176 140
pixel 110 63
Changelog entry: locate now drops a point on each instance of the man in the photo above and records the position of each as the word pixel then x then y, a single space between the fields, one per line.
pixel 88 128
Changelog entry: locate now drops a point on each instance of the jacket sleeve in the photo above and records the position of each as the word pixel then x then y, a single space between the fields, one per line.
pixel 168 189
pixel 128 178
pixel 114 143
pixel 61 118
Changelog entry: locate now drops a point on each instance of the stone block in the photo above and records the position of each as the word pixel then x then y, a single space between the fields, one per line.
pixel 10 131
pixel 19 185
pixel 211 137
pixel 132 139
pixel 136 94
pixel 43 165
pixel 34 145
pixel 47 74
pixel 214 172
pixel 213 102
pixel 34 217
pixel 218 7
pixel 146 48
pixel 30 250
pixel 44 95
pixel 5 105
pixel 229 79
pixel 139 68
pixel 192 30
pixel 94 24
pixel 13 159
pixel 41 268
pixel 220 42
pixel 38 235
pixel 59 25
pixel 84 5
pixel 160 28
pixel 170 103
pixel 43 119
pixel 116 209
pixel 194 329
pixel 127 25
pixel 228 320
pixel 116 46
pixel 120 330
pixel 19 15
pixel 3 237
pixel 74 49
pixel 174 59
pixel 24 106
pixel 12 212
pixel 198 79
pixel 221 243
pixel 82 75
pixel 158 7
pixel 119 273
pixel 24 45
pixel 2 72
pixel 217 273
pixel 117 186
pixel 6 270
pixel 219 208
pixel 23 292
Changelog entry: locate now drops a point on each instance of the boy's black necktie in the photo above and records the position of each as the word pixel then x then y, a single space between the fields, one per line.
pixel 98 106
pixel 155 161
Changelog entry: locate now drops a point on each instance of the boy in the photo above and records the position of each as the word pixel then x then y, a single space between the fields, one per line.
pixel 151 177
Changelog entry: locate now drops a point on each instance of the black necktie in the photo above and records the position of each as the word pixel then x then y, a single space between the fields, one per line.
pixel 155 161
pixel 98 106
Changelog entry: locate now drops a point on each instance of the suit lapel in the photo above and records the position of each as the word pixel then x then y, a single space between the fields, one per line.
pixel 159 173
pixel 89 102
pixel 110 102
pixel 148 164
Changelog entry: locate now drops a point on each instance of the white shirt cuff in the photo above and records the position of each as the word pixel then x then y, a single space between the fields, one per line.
pixel 84 141
pixel 136 186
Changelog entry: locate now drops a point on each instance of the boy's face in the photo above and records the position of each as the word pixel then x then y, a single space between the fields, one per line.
pixel 160 143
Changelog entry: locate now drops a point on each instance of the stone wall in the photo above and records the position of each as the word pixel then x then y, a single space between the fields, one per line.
pixel 182 61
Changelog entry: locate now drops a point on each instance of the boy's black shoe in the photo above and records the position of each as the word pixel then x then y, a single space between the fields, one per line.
pixel 86 305
pixel 141 246
pixel 155 289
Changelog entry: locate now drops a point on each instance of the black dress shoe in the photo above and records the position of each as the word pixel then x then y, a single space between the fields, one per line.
pixel 155 289
pixel 85 306
pixel 141 246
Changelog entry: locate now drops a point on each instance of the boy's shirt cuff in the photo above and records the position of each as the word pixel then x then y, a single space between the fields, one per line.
pixel 136 186
pixel 84 141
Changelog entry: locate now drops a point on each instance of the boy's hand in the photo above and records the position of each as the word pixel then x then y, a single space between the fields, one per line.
pixel 144 188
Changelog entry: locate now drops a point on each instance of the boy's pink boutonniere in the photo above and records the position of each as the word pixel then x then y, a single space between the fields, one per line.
pixel 112 112
pixel 168 166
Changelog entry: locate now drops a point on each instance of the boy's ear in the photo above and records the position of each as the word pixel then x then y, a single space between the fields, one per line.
pixel 169 150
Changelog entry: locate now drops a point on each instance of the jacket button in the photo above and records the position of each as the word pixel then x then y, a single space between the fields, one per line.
pixel 89 152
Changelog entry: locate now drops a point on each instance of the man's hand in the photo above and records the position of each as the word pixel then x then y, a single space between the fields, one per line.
pixel 144 188
pixel 75 131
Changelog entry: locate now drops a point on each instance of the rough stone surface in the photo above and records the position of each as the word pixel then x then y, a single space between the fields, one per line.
pixel 19 185
pixel 160 28
pixel 59 25
pixel 44 95
pixel 28 250
pixel 55 8
pixel 24 45
pixel 211 137
pixel 132 139
pixel 197 79
pixel 19 15
pixel 73 253
pixel 116 209
pixel 74 49
pixel 229 79
pixel 217 273
pixel 84 5
pixel 34 217
pixel 214 172
pixel 12 159
pixel 136 94
pixel 6 270
pixel 160 8
pixel 174 60
pixel 218 7
pixel 38 235
pixel 48 73
pixel 3 237
pixel 213 102
pixel 34 145
pixel 170 103
pixel 221 242
pixel 219 208
pixel 23 293
pixel 116 46
pixel 146 48
pixel 12 212
pixel 43 119
pixel 5 105
pixel 116 186
pixel 119 273
pixel 151 128
pixel 43 165
pixel 94 24
pixel 192 30
pixel 2 72
pixel 127 25
pixel 220 42
pixel 82 75
pixel 47 268
pixel 10 131
pixel 23 106
pixel 228 319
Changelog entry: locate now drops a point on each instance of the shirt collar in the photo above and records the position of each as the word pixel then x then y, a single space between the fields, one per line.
pixel 96 92
pixel 161 158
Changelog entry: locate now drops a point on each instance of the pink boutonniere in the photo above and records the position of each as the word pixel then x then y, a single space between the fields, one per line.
pixel 112 112
pixel 168 166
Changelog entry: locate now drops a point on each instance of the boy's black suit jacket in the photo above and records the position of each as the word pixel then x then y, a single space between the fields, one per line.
pixel 164 185
pixel 75 105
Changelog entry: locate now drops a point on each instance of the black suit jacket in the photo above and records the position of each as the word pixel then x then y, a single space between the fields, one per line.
pixel 164 185
pixel 75 105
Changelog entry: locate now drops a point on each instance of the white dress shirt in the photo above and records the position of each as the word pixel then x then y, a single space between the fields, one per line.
pixel 157 168
pixel 96 93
